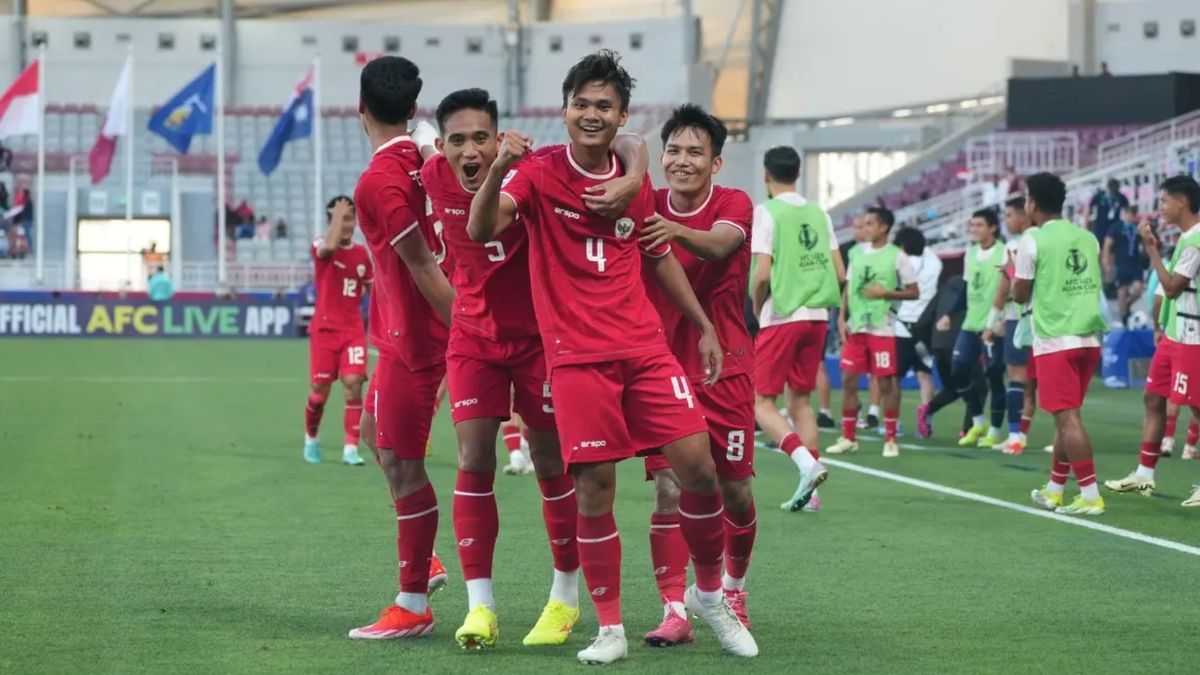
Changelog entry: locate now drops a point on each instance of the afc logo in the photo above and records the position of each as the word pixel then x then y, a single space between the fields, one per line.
pixel 1076 262
pixel 808 237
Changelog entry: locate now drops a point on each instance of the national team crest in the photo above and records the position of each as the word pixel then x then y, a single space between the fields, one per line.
pixel 362 270
pixel 624 228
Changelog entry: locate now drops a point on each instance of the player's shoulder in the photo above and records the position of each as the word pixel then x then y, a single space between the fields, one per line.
pixel 728 198
pixel 433 168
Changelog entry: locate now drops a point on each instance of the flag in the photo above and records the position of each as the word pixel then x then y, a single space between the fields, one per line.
pixel 188 112
pixel 19 106
pixel 115 123
pixel 296 122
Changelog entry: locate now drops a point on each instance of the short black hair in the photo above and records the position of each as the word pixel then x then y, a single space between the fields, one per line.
pixel 1114 184
pixel 603 66
pixel 988 216
pixel 910 240
pixel 1184 186
pixel 690 115
pixel 1017 203
pixel 884 214
pixel 466 99
pixel 783 163
pixel 389 87
pixel 331 202
pixel 1047 191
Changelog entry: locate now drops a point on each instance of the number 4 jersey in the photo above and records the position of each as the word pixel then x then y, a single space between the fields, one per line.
pixel 341 281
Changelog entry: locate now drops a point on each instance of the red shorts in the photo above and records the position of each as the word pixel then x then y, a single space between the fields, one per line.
pixel 334 353
pixel 788 354
pixel 1185 380
pixel 403 403
pixel 490 379
pixel 1161 376
pixel 1031 369
pixel 871 354
pixel 728 408
pixel 613 410
pixel 1068 374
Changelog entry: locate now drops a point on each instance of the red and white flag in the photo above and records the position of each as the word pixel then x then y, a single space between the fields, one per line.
pixel 19 109
pixel 116 123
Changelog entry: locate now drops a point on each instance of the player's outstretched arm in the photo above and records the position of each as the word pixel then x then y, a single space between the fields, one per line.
pixel 839 266
pixel 715 244
pixel 675 284
pixel 490 214
pixel 760 282
pixel 612 198
pixel 434 286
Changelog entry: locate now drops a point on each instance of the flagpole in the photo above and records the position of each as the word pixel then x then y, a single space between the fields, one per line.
pixel 72 246
pixel 40 206
pixel 318 149
pixel 129 141
pixel 176 228
pixel 219 96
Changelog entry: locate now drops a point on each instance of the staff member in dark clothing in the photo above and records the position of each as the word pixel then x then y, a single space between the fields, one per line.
pixel 1106 210
pixel 1125 261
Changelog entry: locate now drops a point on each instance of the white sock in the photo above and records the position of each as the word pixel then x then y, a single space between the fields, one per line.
pixel 996 432
pixel 1023 438
pixel 803 459
pixel 733 584
pixel 826 412
pixel 1014 437
pixel 873 410
pixel 1144 472
pixel 1090 492
pixel 512 455
pixel 1054 488
pixel 1168 443
pixel 676 608
pixel 479 592
pixel 416 603
pixel 310 439
pixel 618 628
pixel 709 597
pixel 347 449
pixel 565 588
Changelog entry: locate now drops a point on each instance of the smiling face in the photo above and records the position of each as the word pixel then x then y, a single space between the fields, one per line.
pixel 469 143
pixel 980 231
pixel 594 115
pixel 688 162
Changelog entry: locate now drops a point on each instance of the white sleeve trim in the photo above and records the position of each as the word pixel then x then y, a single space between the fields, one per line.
pixel 730 223
pixel 648 254
pixel 404 233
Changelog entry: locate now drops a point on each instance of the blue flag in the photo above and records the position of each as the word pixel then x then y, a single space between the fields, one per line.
pixel 296 122
pixel 188 112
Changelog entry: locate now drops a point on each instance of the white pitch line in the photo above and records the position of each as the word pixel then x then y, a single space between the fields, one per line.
pixel 149 379
pixel 984 499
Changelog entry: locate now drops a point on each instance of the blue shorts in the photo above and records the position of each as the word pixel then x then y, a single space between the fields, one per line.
pixel 1128 274
pixel 1013 355
pixel 969 349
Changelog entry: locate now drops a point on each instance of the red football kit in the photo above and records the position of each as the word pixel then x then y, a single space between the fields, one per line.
pixel 616 388
pixel 728 405
pixel 494 361
pixel 337 344
pixel 407 331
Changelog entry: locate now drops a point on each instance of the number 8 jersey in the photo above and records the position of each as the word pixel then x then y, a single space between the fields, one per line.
pixel 585 270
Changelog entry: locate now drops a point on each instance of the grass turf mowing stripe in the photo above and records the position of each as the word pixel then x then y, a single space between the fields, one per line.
pixel 146 379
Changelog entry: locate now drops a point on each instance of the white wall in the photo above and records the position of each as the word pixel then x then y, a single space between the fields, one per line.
pixel 1120 38
pixel 845 56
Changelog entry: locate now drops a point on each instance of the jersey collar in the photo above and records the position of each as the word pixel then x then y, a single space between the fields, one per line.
pixel 693 212
pixel 398 139
pixel 612 172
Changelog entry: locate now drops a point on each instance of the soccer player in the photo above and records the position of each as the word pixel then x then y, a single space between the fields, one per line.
pixel 337 347
pixel 879 274
pixel 496 363
pixel 1064 262
pixel 409 316
pixel 1016 357
pixel 1176 363
pixel 615 386
pixel 796 280
pixel 708 227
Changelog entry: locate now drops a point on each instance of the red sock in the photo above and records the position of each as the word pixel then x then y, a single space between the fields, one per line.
pixel 1169 428
pixel 669 556
pixel 1193 433
pixel 890 418
pixel 1024 425
pixel 600 551
pixel 476 523
pixel 416 527
pixel 351 419
pixel 739 541
pixel 701 524
pixel 1059 472
pixel 1151 452
pixel 849 423
pixel 560 511
pixel 313 410
pixel 1085 472
pixel 512 436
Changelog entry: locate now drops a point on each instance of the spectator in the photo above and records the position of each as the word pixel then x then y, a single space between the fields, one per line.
pixel 1104 71
pixel 22 225
pixel 281 230
pixel 18 241
pixel 6 157
pixel 3 197
pixel 1105 209
pixel 243 213
pixel 160 287
pixel 262 229
pixel 1125 261
pixel 3 240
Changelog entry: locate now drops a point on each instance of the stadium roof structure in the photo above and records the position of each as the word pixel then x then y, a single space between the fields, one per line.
pixel 212 8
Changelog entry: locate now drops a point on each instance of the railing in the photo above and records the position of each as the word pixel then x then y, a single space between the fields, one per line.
pixel 245 276
pixel 1150 139
pixel 1025 152
pixel 22 274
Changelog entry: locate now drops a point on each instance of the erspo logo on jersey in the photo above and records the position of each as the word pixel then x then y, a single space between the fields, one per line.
pixel 115 318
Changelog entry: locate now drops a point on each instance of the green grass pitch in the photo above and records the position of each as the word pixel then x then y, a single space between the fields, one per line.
pixel 155 516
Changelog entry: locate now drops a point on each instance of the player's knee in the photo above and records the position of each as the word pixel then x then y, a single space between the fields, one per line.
pixel 737 495
pixel 352 388
pixel 666 491
pixel 1153 402
pixel 473 458
pixel 321 389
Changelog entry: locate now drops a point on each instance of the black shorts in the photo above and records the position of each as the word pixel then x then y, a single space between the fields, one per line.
pixel 908 357
pixel 1127 276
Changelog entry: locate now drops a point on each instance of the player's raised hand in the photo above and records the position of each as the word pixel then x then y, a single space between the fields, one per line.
pixel 513 146
pixel 612 198
pixel 1146 232
pixel 658 231
pixel 711 355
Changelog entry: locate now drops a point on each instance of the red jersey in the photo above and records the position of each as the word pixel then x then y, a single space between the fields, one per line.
pixel 585 270
pixel 390 203
pixel 720 285
pixel 341 281
pixel 491 280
